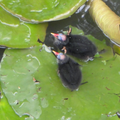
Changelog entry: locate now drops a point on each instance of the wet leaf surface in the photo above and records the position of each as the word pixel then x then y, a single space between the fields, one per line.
pixel 41 11
pixel 17 34
pixel 31 84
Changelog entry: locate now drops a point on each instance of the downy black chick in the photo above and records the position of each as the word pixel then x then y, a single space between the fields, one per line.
pixel 69 71
pixel 75 45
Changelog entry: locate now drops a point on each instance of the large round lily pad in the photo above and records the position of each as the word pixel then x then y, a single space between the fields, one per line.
pixel 17 34
pixel 31 84
pixel 41 10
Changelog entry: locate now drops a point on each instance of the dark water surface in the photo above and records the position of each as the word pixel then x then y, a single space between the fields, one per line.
pixel 80 19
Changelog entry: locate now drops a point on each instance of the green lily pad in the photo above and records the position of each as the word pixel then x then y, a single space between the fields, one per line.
pixel 31 84
pixel 24 100
pixel 17 34
pixel 41 11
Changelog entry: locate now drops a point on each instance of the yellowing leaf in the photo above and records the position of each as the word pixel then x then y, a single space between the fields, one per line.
pixel 106 19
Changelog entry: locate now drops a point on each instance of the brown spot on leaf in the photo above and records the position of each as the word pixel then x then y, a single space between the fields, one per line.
pixel 36 81
pixel 107 88
pixel 105 106
pixel 65 98
pixel 40 49
pixel 17 102
pixel 39 89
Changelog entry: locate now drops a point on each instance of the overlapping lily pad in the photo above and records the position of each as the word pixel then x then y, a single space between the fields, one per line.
pixel 41 10
pixel 31 84
pixel 17 34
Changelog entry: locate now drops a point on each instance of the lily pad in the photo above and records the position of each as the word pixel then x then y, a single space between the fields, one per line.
pixel 26 100
pixel 41 11
pixel 17 34
pixel 31 84
pixel 106 19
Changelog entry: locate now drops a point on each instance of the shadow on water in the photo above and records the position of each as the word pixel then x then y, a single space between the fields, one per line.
pixel 80 19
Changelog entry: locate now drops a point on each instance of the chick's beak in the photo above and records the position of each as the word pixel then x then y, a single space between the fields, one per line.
pixel 55 53
pixel 54 34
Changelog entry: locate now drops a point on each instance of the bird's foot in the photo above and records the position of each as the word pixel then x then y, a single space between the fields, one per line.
pixel 69 31
pixel 89 59
pixel 64 48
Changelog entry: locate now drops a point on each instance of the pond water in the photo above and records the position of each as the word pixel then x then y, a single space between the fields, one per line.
pixel 80 19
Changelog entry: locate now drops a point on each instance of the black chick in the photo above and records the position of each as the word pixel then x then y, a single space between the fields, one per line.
pixel 69 71
pixel 75 45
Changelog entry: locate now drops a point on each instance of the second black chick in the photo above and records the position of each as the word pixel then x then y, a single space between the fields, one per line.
pixel 75 45
pixel 69 71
